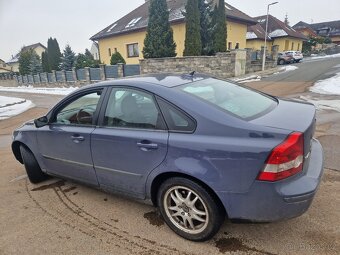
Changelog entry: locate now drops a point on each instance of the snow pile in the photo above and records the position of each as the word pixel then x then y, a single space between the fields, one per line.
pixel 31 89
pixel 288 68
pixel 248 79
pixel 328 86
pixel 11 106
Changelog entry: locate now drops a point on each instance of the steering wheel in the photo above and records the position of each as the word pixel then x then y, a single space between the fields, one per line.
pixel 84 117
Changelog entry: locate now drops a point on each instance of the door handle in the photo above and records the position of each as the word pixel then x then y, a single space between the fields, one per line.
pixel 77 138
pixel 147 145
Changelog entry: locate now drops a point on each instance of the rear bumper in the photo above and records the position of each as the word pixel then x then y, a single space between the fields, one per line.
pixel 266 202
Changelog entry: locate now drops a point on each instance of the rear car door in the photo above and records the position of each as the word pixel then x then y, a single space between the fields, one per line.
pixel 65 142
pixel 130 142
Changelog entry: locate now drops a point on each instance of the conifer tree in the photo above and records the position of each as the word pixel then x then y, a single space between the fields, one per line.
pixel 24 62
pixel 54 55
pixel 117 58
pixel 206 13
pixel 68 58
pixel 35 63
pixel 44 62
pixel 193 44
pixel 159 41
pixel 220 28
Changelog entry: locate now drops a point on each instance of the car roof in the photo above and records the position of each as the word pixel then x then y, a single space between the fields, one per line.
pixel 166 80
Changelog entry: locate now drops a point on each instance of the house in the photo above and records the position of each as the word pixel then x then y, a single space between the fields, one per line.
pixel 280 34
pixel 4 68
pixel 14 61
pixel 329 29
pixel 95 51
pixel 127 34
pixel 256 36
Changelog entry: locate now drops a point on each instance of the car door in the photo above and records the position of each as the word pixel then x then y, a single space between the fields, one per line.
pixel 130 142
pixel 65 142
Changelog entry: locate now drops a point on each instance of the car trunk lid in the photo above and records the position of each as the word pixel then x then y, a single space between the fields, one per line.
pixel 293 116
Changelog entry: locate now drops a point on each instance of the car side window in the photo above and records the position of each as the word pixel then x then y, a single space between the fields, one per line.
pixel 175 118
pixel 80 111
pixel 130 108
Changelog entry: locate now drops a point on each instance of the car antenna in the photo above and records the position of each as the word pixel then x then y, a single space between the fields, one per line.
pixel 192 73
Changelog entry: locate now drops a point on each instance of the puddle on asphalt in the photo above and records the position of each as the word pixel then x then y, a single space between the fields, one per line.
pixel 57 184
pixel 154 218
pixel 232 244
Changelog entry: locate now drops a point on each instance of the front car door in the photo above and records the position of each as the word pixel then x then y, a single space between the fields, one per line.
pixel 65 142
pixel 130 142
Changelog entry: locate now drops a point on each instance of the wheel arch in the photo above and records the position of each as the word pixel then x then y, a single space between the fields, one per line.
pixel 16 150
pixel 159 179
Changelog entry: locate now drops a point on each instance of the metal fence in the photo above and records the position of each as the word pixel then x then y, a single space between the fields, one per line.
pixel 131 70
pixel 84 74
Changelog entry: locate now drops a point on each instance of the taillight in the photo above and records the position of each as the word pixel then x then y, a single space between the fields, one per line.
pixel 285 160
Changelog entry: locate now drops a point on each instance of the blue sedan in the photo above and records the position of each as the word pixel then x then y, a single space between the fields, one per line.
pixel 200 148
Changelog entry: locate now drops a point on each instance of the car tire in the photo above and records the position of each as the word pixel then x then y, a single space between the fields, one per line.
pixel 196 217
pixel 34 173
pixel 282 62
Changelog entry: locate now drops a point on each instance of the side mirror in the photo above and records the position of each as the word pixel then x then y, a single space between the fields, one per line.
pixel 41 122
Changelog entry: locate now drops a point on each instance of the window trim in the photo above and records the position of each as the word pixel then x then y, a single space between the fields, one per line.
pixel 100 122
pixel 127 50
pixel 53 114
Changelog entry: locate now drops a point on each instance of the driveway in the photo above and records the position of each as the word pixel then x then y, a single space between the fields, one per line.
pixel 62 217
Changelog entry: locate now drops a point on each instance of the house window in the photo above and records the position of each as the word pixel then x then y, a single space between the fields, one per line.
pixel 132 50
pixel 230 44
pixel 237 46
pixel 110 52
pixel 292 46
pixel 116 50
pixel 298 46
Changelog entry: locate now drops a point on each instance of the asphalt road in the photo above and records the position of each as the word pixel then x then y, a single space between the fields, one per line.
pixel 62 217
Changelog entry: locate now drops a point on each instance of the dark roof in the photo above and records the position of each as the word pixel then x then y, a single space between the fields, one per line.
pixel 33 46
pixel 330 28
pixel 138 18
pixel 256 32
pixel 277 28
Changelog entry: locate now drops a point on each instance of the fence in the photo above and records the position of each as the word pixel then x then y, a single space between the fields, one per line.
pixel 80 76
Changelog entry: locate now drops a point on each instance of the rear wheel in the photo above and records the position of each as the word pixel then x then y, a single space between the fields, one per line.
pixel 189 210
pixel 34 173
pixel 282 62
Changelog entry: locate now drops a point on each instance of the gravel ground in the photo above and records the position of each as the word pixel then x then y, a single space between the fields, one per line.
pixel 62 217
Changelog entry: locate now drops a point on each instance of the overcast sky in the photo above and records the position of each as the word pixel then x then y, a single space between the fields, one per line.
pixel 24 22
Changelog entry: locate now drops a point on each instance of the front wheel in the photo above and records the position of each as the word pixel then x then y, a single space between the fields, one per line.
pixel 34 173
pixel 189 210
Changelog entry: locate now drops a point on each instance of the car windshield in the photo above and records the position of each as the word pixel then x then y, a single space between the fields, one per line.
pixel 237 100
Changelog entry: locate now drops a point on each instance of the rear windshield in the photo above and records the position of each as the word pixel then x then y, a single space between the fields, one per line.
pixel 237 100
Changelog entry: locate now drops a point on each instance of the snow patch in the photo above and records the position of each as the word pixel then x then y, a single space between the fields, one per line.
pixel 324 104
pixel 277 33
pixel 288 68
pixel 325 56
pixel 11 106
pixel 328 86
pixel 31 89
pixel 251 35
